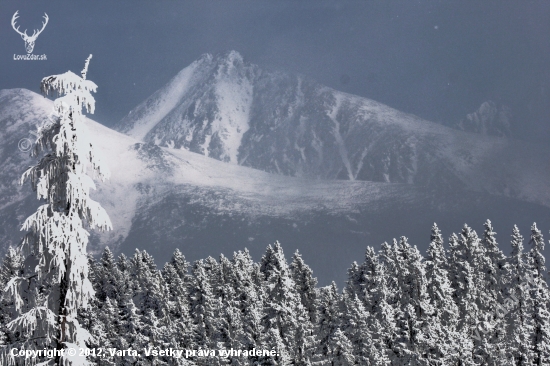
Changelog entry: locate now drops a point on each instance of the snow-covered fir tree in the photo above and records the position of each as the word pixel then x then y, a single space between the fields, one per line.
pixel 305 285
pixel 11 267
pixel 355 324
pixel 493 269
pixel 341 349
pixel 468 305
pixel 54 281
pixel 328 318
pixel 444 318
pixel 283 307
pixel 204 306
pixel 540 296
pixel 519 325
pixel 249 299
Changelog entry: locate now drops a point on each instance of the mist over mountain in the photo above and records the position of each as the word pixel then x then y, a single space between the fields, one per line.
pixel 228 156
pixel 161 198
pixel 227 109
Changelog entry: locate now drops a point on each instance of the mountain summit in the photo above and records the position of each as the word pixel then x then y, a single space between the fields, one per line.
pixel 205 108
pixel 227 109
pixel 230 110
pixel 160 199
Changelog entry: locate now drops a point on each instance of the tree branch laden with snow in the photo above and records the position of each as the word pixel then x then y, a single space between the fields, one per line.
pixel 55 284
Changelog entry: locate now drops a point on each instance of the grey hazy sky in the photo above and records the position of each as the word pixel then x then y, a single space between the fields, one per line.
pixel 436 59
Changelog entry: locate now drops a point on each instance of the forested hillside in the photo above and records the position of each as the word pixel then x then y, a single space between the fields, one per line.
pixel 467 304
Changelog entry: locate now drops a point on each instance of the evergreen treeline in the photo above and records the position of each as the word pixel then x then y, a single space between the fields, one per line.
pixel 467 304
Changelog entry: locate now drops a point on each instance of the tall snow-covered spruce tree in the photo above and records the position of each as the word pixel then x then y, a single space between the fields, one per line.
pixel 54 284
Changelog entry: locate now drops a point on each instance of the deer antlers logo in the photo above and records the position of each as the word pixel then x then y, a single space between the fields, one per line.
pixel 29 40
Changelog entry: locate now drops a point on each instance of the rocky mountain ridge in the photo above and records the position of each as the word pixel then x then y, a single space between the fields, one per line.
pixel 230 110
pixel 162 198
pixel 489 119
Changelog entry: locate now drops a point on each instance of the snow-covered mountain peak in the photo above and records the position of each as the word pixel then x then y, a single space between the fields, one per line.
pixel 160 198
pixel 489 119
pixel 205 108
pixel 225 108
pixel 144 175
pixel 229 62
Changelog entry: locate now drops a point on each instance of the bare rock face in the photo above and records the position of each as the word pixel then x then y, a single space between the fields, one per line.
pixel 490 119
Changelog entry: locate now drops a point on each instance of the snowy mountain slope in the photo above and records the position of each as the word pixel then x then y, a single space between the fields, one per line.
pixel 161 198
pixel 140 169
pixel 235 112
pixel 145 173
pixel 222 110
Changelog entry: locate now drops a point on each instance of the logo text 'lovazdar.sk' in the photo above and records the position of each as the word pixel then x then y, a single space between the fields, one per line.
pixel 29 40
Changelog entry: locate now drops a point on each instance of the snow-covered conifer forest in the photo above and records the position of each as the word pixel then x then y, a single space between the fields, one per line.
pixel 465 303
pixel 462 302
pixel 53 283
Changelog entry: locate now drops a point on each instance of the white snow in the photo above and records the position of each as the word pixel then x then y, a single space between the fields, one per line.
pixel 165 101
pixel 233 93
pixel 338 137
pixel 234 101
pixel 118 196
pixel 206 144
pixel 469 155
